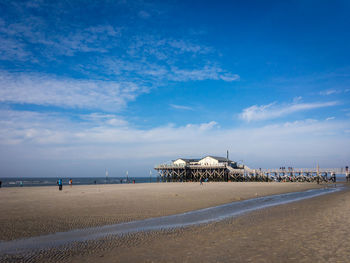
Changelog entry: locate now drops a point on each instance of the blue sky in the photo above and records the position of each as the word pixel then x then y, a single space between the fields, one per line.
pixel 124 85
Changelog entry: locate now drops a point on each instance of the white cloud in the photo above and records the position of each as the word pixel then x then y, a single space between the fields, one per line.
pixel 98 38
pixel 329 92
pixel 104 119
pixel 180 107
pixel 229 77
pixel 274 110
pixel 203 126
pixel 143 54
pixel 330 118
pixel 39 136
pixel 10 49
pixel 333 91
pixel 165 49
pixel 163 72
pixel 186 46
pixel 65 92
pixel 208 72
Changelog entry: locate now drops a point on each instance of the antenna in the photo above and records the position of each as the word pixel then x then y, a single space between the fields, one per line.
pixel 227 155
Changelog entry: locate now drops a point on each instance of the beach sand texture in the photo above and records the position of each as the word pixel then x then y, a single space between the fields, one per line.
pixel 33 211
pixel 312 230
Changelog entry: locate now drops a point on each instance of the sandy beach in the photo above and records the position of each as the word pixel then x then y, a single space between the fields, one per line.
pixel 311 230
pixel 33 211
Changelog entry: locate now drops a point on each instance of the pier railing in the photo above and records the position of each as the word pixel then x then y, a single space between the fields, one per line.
pixel 225 172
pixel 195 166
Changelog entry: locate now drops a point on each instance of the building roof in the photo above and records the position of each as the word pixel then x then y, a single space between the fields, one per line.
pixel 220 159
pixel 187 160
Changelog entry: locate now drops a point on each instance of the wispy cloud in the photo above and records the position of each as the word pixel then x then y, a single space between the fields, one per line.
pixel 163 49
pixel 333 91
pixel 10 49
pixel 113 49
pixel 274 110
pixel 204 126
pixel 186 46
pixel 329 92
pixel 104 119
pixel 208 72
pixel 156 72
pixel 65 92
pixel 180 107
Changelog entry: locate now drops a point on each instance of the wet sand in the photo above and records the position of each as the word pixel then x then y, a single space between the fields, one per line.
pixel 312 230
pixel 33 211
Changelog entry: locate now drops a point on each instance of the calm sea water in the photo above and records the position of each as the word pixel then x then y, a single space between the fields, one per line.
pixel 49 181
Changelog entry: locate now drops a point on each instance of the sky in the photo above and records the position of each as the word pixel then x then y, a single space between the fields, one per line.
pixel 124 85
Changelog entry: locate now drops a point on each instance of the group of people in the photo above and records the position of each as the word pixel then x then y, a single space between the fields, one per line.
pixel 60 183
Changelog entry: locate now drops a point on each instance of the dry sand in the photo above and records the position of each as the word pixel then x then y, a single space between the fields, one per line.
pixel 32 211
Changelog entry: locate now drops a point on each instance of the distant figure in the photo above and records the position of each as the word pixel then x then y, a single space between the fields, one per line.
pixel 70 182
pixel 20 183
pixel 60 184
pixel 95 182
pixel 201 181
pixel 133 181
pixel 0 184
pixel 333 178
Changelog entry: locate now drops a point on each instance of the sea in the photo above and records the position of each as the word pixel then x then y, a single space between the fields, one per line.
pixel 50 181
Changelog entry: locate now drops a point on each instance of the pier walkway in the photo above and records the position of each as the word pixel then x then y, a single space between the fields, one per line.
pixel 225 172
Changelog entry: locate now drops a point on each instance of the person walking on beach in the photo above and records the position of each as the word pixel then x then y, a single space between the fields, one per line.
pixel 60 184
pixel 70 182
pixel 0 184
pixel 201 181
